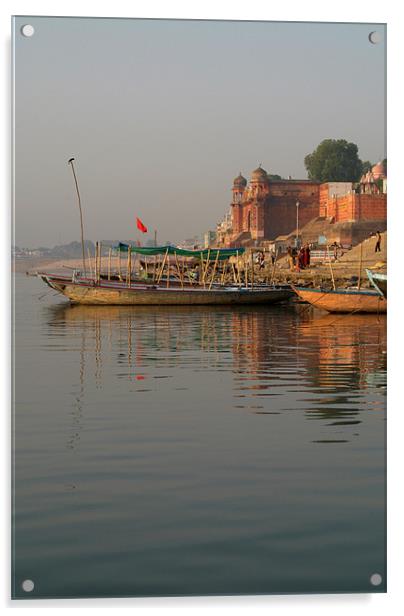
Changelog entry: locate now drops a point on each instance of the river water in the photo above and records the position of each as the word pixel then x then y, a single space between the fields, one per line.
pixel 190 451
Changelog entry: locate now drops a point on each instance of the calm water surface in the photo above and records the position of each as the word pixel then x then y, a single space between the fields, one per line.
pixel 167 451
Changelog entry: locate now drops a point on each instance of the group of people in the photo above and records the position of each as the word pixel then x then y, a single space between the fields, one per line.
pixel 299 259
pixel 260 259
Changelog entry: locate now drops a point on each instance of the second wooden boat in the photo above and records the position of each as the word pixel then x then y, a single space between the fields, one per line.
pixel 378 281
pixel 343 300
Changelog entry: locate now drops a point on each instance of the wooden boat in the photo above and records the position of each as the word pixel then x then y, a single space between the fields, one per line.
pixel 378 281
pixel 343 300
pixel 81 290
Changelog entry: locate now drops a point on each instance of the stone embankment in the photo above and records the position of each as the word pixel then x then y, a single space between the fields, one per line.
pixel 346 267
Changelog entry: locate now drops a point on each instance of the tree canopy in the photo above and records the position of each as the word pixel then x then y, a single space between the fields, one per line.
pixel 366 166
pixel 334 160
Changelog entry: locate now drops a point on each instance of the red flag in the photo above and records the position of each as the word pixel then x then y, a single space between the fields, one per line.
pixel 140 225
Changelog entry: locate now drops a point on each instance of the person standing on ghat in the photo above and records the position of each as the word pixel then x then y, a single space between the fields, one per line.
pixel 378 242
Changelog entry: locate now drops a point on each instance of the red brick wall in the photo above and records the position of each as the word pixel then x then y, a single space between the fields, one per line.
pixel 340 208
pixel 371 207
pixel 280 209
pixel 354 207
pixel 237 218
pixel 323 197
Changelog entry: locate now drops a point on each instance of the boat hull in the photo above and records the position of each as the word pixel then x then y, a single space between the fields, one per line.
pixel 379 281
pixel 122 295
pixel 343 300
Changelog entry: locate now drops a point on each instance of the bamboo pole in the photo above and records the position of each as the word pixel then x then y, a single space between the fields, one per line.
pixel 214 270
pixel 155 268
pixel 202 268
pixel 89 260
pixel 273 268
pixel 183 268
pixel 360 266
pixel 81 214
pixel 179 271
pixel 245 271
pixel 130 266
pixel 238 271
pixel 95 262
pixel 206 268
pixel 332 273
pixel 234 273
pixel 119 264
pixel 127 267
pixel 223 272
pixel 109 263
pixel 252 269
pixel 185 271
pixel 100 261
pixel 168 271
pixel 162 266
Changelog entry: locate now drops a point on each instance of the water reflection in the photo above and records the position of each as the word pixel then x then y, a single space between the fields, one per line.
pixel 280 359
pixel 210 450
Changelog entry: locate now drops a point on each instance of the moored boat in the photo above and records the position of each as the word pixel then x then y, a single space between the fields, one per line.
pixel 378 281
pixel 83 290
pixel 343 300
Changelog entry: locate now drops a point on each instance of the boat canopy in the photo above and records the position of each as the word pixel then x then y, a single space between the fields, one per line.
pixel 207 253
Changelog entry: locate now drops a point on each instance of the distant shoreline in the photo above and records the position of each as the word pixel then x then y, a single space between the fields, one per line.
pixel 33 264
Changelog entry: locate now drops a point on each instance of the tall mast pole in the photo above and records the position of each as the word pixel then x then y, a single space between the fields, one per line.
pixel 81 214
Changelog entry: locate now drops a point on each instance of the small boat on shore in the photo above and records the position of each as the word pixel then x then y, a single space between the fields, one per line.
pixel 343 300
pixel 83 290
pixel 378 281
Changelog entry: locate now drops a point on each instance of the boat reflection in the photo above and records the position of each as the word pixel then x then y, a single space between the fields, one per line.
pixel 279 358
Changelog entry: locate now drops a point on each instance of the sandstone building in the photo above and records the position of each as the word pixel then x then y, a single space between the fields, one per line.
pixel 265 209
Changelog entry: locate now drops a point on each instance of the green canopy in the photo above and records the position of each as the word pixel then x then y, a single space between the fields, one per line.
pixel 207 253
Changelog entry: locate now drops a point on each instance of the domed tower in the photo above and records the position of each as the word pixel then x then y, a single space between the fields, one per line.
pixel 259 176
pixel 259 182
pixel 378 171
pixel 239 185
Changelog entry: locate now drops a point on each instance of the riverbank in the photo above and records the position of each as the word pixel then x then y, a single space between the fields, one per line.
pixel 349 266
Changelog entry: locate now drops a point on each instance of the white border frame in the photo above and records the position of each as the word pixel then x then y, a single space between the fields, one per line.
pixel 290 10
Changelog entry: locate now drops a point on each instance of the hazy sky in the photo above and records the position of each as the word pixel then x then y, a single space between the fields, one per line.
pixel 161 116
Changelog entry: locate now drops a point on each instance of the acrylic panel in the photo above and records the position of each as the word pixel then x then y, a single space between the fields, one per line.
pixel 199 307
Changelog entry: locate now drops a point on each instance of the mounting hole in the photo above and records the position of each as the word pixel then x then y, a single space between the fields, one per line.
pixel 28 585
pixel 376 579
pixel 27 30
pixel 375 38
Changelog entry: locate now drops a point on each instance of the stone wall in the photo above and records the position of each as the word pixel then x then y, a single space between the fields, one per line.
pixel 353 206
pixel 371 207
pixel 280 212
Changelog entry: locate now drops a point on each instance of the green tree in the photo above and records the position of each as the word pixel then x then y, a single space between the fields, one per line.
pixel 334 160
pixel 274 176
pixel 366 166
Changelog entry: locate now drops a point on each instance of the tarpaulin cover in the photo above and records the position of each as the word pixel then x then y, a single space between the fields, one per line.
pixel 207 253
